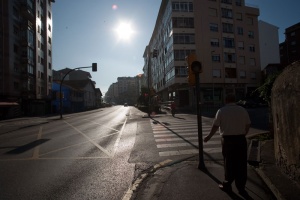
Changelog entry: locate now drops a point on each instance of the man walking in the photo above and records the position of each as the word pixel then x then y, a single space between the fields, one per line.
pixel 233 123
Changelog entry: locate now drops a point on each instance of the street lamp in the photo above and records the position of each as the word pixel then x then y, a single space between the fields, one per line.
pixel 94 69
pixel 213 82
pixel 196 67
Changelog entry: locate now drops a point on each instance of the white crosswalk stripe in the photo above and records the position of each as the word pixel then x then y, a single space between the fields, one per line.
pixel 181 137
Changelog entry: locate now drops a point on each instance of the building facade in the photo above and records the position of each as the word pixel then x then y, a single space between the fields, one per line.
pixel 26 54
pixel 224 36
pixel 290 48
pixel 125 90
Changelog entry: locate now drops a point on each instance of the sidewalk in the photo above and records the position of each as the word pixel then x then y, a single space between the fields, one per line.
pixel 182 180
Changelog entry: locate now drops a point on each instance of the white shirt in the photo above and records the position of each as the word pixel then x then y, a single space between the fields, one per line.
pixel 232 120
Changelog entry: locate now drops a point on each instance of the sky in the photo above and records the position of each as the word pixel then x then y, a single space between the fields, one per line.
pixel 89 31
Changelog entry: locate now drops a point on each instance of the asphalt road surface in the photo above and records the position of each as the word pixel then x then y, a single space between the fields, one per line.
pixel 83 156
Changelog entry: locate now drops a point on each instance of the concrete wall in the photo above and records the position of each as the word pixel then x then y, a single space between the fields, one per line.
pixel 286 118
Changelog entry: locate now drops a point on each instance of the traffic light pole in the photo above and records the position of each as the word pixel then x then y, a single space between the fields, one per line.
pixel 196 67
pixel 201 164
pixel 94 67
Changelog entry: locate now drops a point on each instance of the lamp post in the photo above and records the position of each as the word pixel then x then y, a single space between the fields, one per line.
pixel 94 69
pixel 197 69
pixel 213 82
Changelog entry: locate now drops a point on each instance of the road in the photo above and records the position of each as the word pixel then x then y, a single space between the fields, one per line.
pixel 83 156
pixel 95 154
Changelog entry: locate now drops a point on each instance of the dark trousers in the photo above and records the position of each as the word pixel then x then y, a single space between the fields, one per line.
pixel 234 150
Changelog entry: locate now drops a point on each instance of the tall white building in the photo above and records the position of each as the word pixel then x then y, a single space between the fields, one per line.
pixel 269 44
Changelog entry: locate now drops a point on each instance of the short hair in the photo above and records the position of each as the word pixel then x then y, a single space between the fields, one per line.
pixel 230 97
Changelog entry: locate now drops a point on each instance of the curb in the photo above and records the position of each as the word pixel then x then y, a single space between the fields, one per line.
pixel 134 186
pixel 270 185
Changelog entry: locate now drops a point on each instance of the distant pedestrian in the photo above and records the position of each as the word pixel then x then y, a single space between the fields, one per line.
pixel 173 108
pixel 233 123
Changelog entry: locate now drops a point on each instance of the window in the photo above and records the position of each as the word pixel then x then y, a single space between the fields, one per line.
pixel 181 54
pixel 184 38
pixel 227 28
pixel 239 16
pixel 227 1
pixel 242 74
pixel 228 42
pixel 183 22
pixel 229 57
pixel 252 62
pixel 30 69
pixel 293 43
pixel 251 48
pixel 16 85
pixel 242 60
pixel 49 40
pixel 181 71
pixel 227 13
pixel 240 30
pixel 213 12
pixel 238 2
pixel 182 7
pixel 214 42
pixel 213 27
pixel 16 48
pixel 216 73
pixel 49 79
pixel 241 45
pixel 230 73
pixel 49 53
pixel 215 58
pixel 49 66
pixel 49 27
pixel 253 75
pixel 251 34
pixel 293 33
pixel 49 14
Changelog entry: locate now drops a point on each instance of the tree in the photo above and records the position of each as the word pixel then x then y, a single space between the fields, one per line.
pixel 265 92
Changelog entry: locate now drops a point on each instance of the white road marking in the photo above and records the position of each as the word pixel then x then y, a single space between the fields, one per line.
pixel 90 140
pixel 37 148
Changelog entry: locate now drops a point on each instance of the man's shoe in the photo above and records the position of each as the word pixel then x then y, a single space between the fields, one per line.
pixel 225 187
pixel 243 193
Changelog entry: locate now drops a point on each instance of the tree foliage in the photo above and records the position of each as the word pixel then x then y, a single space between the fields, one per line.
pixel 265 90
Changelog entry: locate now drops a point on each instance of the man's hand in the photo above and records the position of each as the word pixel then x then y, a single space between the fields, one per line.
pixel 212 132
pixel 206 138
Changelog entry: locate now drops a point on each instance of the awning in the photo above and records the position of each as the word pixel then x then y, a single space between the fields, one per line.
pixel 8 104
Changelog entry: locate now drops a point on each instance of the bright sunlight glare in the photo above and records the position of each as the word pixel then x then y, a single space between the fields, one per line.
pixel 124 31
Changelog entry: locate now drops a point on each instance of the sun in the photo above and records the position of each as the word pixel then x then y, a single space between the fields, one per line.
pixel 124 31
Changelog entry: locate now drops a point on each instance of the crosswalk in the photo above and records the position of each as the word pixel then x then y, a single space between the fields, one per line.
pixel 175 137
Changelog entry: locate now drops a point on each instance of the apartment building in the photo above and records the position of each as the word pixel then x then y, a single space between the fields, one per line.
pixel 224 36
pixel 290 48
pixel 26 54
pixel 125 90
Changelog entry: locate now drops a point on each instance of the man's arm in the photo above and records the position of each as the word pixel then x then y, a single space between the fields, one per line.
pixel 212 132
pixel 247 127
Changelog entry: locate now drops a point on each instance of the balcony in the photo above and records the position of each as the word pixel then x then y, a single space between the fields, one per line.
pixel 27 12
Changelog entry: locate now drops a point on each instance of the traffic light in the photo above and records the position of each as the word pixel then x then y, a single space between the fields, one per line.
pixel 191 76
pixel 94 67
